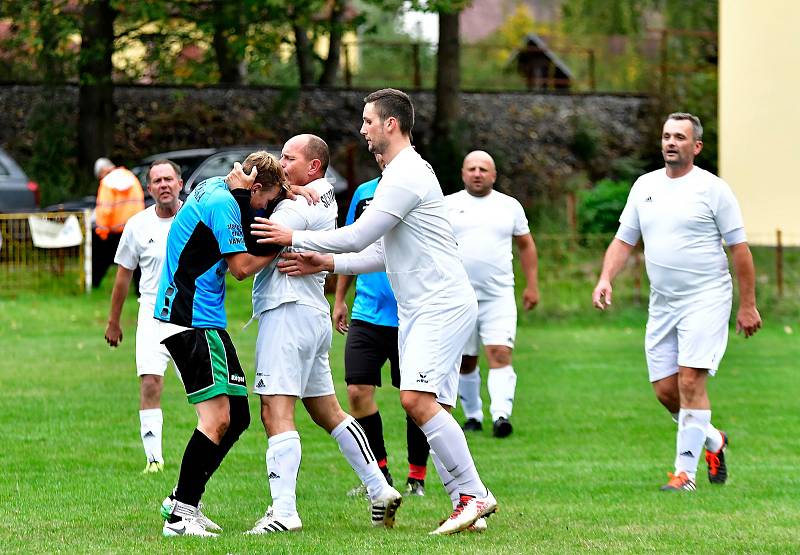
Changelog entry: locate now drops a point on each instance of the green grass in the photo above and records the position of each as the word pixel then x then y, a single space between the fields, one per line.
pixel 580 473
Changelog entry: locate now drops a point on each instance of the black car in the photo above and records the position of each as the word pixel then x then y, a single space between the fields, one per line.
pixel 198 164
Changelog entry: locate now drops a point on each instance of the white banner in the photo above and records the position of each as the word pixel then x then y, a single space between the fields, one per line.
pixel 47 234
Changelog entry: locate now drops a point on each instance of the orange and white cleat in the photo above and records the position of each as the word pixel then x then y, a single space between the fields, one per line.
pixel 717 469
pixel 466 513
pixel 681 482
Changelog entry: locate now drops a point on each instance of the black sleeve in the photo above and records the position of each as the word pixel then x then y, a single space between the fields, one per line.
pixel 242 197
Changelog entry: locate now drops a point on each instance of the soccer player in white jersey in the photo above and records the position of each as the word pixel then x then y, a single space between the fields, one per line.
pixel 683 213
pixel 294 336
pixel 143 244
pixel 405 232
pixel 484 222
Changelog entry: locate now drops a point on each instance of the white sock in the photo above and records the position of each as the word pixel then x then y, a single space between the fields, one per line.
pixel 354 446
pixel 447 440
pixel 151 422
pixel 692 424
pixel 502 384
pixel 283 463
pixel 450 484
pixel 713 438
pixel 469 393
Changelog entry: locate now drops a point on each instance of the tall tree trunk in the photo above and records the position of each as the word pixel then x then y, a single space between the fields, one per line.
pixel 95 101
pixel 331 68
pixel 227 60
pixel 302 47
pixel 448 74
pixel 445 148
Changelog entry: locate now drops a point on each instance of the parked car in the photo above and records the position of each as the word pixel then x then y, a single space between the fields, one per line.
pixel 199 164
pixel 17 192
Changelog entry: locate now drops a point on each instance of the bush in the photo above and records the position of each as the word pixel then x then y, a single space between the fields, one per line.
pixel 599 208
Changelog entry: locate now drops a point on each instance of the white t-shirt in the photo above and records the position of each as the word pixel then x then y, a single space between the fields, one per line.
pixel 144 244
pixel 420 251
pixel 682 221
pixel 483 227
pixel 271 288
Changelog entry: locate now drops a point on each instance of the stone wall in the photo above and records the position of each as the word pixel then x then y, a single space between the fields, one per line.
pixel 532 136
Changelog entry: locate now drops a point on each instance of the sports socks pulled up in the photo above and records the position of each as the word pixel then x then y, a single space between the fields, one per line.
pixel 469 393
pixel 448 443
pixel 692 426
pixel 354 446
pixel 283 463
pixel 151 423
pixel 502 385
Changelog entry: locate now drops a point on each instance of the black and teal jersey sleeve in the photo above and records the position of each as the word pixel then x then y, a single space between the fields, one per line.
pixel 208 226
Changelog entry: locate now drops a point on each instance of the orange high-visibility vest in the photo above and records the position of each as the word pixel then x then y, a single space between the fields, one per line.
pixel 119 197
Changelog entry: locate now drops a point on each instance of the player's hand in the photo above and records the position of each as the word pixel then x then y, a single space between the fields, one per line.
pixel 530 297
pixel 601 297
pixel 113 334
pixel 271 232
pixel 237 179
pixel 311 196
pixel 339 317
pixel 748 321
pixel 305 263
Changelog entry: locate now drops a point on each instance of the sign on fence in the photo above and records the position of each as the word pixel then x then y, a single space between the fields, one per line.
pixel 47 234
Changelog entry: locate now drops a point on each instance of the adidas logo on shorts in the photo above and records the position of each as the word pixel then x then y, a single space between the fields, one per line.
pixel 260 383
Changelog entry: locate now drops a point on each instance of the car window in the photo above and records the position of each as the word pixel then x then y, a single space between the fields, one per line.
pixel 219 164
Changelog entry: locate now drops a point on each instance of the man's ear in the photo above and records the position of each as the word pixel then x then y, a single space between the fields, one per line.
pixel 314 166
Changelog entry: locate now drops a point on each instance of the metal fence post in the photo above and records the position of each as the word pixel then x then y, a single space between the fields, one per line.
pixel 87 250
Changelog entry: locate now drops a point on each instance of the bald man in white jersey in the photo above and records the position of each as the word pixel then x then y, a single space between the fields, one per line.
pixel 484 222
pixel 683 213
pixel 405 231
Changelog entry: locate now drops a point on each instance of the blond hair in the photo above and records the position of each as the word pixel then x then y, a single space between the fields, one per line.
pixel 269 170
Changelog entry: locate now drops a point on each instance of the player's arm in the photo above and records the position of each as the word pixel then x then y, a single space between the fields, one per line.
pixel 303 263
pixel 339 316
pixel 529 260
pixel 748 320
pixel 118 295
pixel 614 260
pixel 243 264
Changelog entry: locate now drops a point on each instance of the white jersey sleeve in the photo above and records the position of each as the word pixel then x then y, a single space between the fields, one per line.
pixel 725 208
pixel 128 251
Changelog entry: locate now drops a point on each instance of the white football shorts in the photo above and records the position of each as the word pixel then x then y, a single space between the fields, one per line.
pixel 691 332
pixel 292 352
pixel 496 324
pixel 431 342
pixel 151 356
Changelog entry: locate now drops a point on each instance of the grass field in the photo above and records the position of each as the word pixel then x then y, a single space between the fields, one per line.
pixel 580 473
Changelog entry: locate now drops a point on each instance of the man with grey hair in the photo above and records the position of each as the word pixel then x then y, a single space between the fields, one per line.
pixel 119 196
pixel 683 213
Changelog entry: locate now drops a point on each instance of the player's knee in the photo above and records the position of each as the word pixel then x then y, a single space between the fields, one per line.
pixel 359 397
pixel 239 415
pixel 468 364
pixel 151 387
pixel 498 355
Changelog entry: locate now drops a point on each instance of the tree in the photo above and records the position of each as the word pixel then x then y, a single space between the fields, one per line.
pixel 96 87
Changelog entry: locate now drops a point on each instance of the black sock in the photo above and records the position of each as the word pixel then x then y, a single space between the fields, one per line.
pixel 418 448
pixel 200 459
pixel 240 420
pixel 373 427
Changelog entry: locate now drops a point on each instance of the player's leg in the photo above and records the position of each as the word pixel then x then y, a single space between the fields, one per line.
pixel 320 400
pixel 502 384
pixel 498 329
pixel 430 350
pixel 416 442
pixel 283 464
pixel 151 364
pixel 702 339
pixel 280 366
pixel 210 372
pixel 363 359
pixel 469 384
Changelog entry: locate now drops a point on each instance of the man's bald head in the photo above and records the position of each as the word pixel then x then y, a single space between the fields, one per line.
pixel 478 173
